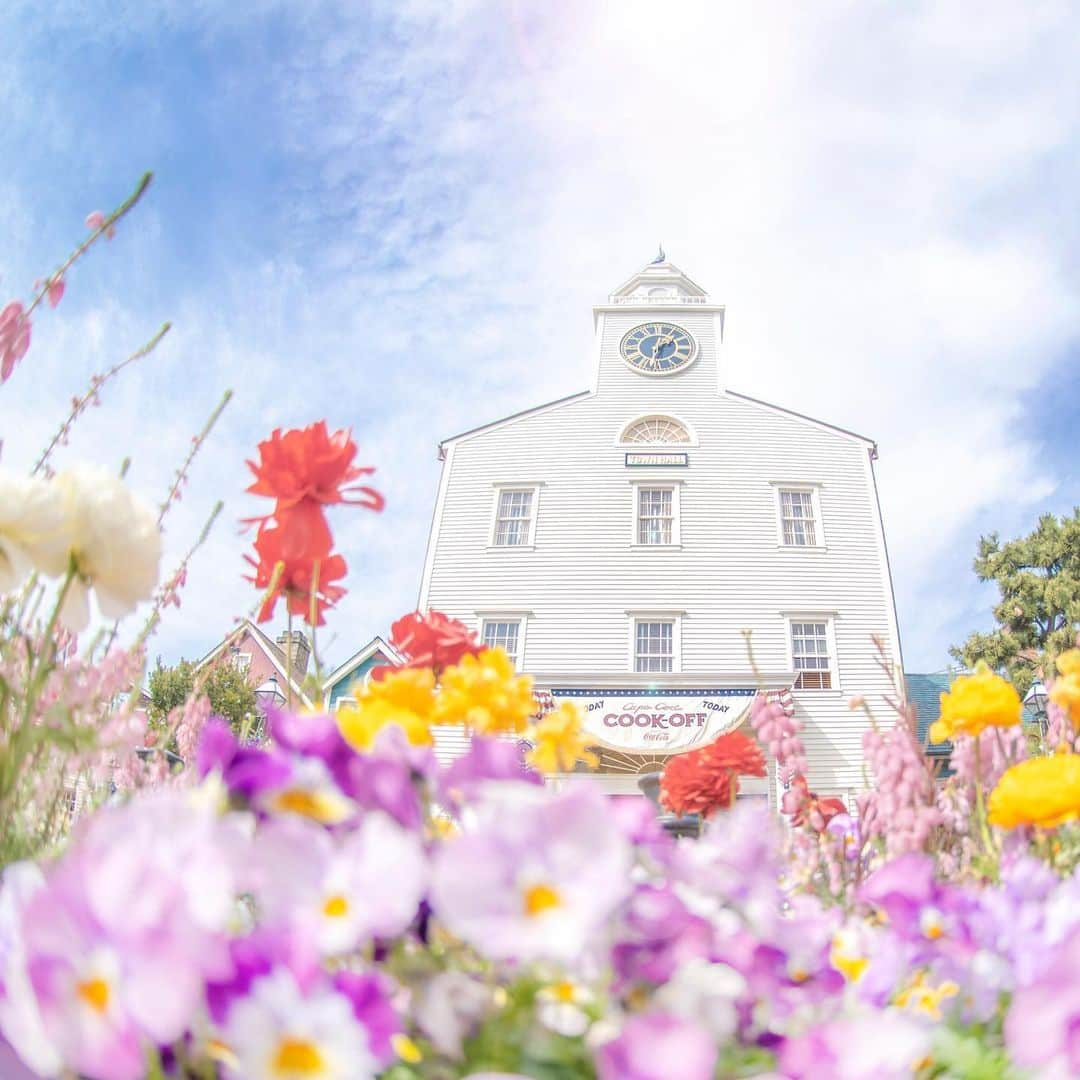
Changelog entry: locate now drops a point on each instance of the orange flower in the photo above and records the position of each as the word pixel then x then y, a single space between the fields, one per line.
pixel 706 780
pixel 310 463
pixel 1065 689
pixel 298 572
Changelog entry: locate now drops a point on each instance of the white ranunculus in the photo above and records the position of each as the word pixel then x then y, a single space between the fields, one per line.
pixel 115 541
pixel 34 529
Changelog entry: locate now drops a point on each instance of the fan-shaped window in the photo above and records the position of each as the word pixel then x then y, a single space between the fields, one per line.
pixel 653 430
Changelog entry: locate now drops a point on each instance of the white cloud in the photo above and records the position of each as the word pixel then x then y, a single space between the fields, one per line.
pixel 870 189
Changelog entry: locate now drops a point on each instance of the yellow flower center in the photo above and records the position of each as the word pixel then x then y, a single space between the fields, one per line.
pixel 315 805
pixel 851 967
pixel 95 992
pixel 541 898
pixel 297 1057
pixel 406 1049
pixel 565 992
pixel 335 907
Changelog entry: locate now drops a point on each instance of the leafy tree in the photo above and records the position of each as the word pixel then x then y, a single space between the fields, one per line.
pixel 230 692
pixel 1038 577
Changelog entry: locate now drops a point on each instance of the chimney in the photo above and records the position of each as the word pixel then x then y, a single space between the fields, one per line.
pixel 297 652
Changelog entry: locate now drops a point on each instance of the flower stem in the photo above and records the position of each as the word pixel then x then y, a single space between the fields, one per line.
pixel 288 659
pixel 980 809
pixel 79 405
pixel 196 446
pixel 108 223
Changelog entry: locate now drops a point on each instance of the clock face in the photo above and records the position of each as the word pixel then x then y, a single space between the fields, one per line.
pixel 658 348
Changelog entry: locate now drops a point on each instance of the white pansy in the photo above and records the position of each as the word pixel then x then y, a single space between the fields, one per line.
pixel 706 994
pixel 115 541
pixel 34 529
pixel 278 1033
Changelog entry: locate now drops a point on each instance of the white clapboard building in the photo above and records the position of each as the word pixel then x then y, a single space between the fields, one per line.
pixel 622 543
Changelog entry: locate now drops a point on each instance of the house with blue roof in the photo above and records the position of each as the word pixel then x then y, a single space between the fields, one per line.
pixel 343 683
pixel 924 693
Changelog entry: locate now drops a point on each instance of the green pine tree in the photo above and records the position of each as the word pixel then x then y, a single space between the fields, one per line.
pixel 1038 615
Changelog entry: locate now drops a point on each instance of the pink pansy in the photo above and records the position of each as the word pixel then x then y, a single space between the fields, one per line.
pixel 339 893
pixel 535 874
pixel 20 1018
pixel 129 925
pixel 650 1044
pixel 14 338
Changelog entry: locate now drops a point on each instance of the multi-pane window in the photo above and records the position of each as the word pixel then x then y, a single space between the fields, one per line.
pixel 654 645
pixel 504 634
pixel 656 429
pixel 797 518
pixel 810 653
pixel 513 518
pixel 656 515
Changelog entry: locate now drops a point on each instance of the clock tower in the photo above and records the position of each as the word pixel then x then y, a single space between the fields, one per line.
pixel 659 326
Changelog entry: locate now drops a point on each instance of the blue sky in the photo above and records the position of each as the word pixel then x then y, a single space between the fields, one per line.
pixel 397 216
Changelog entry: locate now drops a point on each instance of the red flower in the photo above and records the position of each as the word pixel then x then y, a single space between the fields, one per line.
pixel 806 808
pixel 706 780
pixel 433 640
pixel 310 463
pixel 297 575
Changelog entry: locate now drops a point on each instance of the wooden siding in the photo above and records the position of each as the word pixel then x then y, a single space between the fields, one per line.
pixel 582 575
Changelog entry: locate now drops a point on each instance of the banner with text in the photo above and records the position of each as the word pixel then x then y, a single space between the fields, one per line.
pixel 658 721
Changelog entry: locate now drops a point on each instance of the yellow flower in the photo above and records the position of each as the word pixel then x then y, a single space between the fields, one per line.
pixel 847 955
pixel 483 693
pixel 406 1049
pixel 1065 689
pixel 918 996
pixel 405 698
pixel 558 741
pixel 1044 791
pixel 975 702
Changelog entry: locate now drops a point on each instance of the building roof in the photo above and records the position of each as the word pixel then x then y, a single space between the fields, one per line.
pixel 376 644
pixel 924 693
pixel 274 654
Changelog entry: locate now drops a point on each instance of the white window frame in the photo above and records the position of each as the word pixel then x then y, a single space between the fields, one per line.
pixel 242 662
pixel 500 490
pixel 644 484
pixel 673 617
pixel 829 619
pixel 620 440
pixel 342 701
pixel 804 488
pixel 519 617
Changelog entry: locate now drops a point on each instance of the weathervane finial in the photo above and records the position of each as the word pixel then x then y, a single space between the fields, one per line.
pixel 660 256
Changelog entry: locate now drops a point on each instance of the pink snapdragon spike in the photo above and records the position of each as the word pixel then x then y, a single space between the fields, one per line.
pixel 14 337
pixel 95 219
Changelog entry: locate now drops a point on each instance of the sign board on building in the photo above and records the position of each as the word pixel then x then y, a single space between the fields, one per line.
pixel 637 458
pixel 658 721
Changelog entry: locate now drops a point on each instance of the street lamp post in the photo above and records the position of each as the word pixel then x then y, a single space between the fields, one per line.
pixel 1035 699
pixel 267 695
